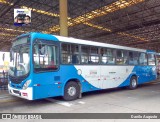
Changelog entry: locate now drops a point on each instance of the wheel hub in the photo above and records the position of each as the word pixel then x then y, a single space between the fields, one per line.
pixel 134 83
pixel 71 91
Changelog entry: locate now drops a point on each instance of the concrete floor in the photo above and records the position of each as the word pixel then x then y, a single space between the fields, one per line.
pixel 145 99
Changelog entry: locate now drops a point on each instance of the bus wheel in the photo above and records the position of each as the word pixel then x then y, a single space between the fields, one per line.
pixel 133 83
pixel 71 91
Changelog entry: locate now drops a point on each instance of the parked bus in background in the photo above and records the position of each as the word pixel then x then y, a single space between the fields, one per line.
pixel 44 65
pixel 158 63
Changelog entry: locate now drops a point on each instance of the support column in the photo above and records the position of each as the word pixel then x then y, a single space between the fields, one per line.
pixel 63 17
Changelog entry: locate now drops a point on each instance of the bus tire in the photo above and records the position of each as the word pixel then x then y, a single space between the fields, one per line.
pixel 133 83
pixel 71 91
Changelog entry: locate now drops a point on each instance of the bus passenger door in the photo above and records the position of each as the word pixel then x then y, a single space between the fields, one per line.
pixel 45 66
pixel 105 77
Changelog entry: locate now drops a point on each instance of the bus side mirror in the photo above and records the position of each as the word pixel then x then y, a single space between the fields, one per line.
pixel 11 55
pixel 3 57
pixel 43 50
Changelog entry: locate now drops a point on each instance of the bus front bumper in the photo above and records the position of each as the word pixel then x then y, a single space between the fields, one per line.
pixel 26 94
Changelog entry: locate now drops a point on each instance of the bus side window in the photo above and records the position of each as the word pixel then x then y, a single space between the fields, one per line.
pixel 52 61
pixel 143 59
pixel 35 56
pixel 94 55
pixel 107 56
pixel 125 56
pixel 122 57
pixel 75 54
pixel 151 59
pixel 75 59
pixel 84 54
pixel 66 54
pixel 111 54
pixel 104 59
pixel 133 58
pixel 70 53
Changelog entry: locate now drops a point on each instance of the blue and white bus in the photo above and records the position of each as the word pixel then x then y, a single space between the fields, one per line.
pixel 44 65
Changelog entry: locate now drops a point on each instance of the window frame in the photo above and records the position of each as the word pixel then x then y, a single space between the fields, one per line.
pixel 114 50
pixel 92 54
pixel 61 61
pixel 138 53
pixel 124 64
pixel 146 58
pixel 114 56
pixel 154 59
pixel 46 42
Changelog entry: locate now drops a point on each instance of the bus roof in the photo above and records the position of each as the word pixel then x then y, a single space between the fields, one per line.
pixel 92 43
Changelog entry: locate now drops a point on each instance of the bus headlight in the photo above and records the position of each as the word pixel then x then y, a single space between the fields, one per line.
pixel 25 86
pixel 10 83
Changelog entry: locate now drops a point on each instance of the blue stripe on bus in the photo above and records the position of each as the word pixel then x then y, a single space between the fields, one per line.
pixel 144 74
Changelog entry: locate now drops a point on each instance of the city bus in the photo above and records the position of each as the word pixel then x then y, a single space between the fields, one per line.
pixel 45 65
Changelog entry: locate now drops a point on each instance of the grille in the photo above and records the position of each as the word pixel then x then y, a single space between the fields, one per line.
pixel 16 92
pixel 17 80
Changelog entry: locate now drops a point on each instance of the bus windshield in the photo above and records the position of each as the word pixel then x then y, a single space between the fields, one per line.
pixel 19 65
